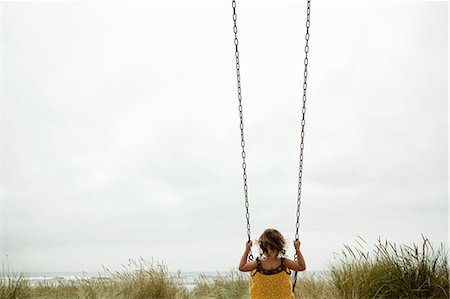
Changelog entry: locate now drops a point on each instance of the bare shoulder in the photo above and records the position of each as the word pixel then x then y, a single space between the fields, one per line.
pixel 293 265
pixel 249 266
pixel 288 262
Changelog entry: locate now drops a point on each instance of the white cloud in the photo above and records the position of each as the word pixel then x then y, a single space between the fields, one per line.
pixel 121 137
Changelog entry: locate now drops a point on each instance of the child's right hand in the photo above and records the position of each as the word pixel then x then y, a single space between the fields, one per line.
pixel 297 244
pixel 248 245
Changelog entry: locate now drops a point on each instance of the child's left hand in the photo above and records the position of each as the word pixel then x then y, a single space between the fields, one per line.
pixel 248 245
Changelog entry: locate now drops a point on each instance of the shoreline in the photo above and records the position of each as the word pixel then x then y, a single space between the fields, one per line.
pixel 389 271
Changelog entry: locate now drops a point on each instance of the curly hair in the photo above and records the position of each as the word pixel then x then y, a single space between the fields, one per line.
pixel 272 242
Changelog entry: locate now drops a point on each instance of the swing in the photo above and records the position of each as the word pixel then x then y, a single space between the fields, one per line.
pixel 241 125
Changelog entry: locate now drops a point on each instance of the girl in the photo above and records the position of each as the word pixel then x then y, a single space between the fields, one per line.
pixel 270 273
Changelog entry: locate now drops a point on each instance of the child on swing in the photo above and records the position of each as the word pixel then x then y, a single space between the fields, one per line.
pixel 270 272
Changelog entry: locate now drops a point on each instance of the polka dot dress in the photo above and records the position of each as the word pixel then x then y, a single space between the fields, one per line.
pixel 271 284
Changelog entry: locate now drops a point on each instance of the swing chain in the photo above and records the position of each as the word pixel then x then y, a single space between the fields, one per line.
pixel 305 77
pixel 241 125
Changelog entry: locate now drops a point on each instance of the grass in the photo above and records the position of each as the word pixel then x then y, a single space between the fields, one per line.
pixel 142 279
pixel 138 280
pixel 232 285
pixel 388 271
pixel 14 286
pixel 391 271
pixel 312 287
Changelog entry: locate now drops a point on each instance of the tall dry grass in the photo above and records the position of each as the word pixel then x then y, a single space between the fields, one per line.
pixel 313 287
pixel 142 279
pixel 389 271
pixel 232 285
pixel 138 280
pixel 392 271
pixel 14 285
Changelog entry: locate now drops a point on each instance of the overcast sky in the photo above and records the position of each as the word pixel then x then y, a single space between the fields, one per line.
pixel 120 129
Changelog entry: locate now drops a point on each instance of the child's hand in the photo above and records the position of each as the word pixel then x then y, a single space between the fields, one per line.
pixel 297 245
pixel 248 245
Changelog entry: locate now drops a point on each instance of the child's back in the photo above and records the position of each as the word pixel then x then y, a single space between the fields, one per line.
pixel 269 282
pixel 270 276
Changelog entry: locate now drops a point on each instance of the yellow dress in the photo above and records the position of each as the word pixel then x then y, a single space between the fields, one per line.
pixel 271 284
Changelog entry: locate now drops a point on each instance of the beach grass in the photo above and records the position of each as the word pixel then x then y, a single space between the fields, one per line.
pixel 392 271
pixel 15 285
pixel 139 279
pixel 388 271
pixel 312 287
pixel 231 285
pixel 142 279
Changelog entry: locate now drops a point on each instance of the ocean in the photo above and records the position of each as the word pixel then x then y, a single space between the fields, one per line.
pixel 188 279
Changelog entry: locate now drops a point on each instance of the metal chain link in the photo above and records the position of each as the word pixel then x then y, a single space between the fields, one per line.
pixel 244 165
pixel 241 125
pixel 305 77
